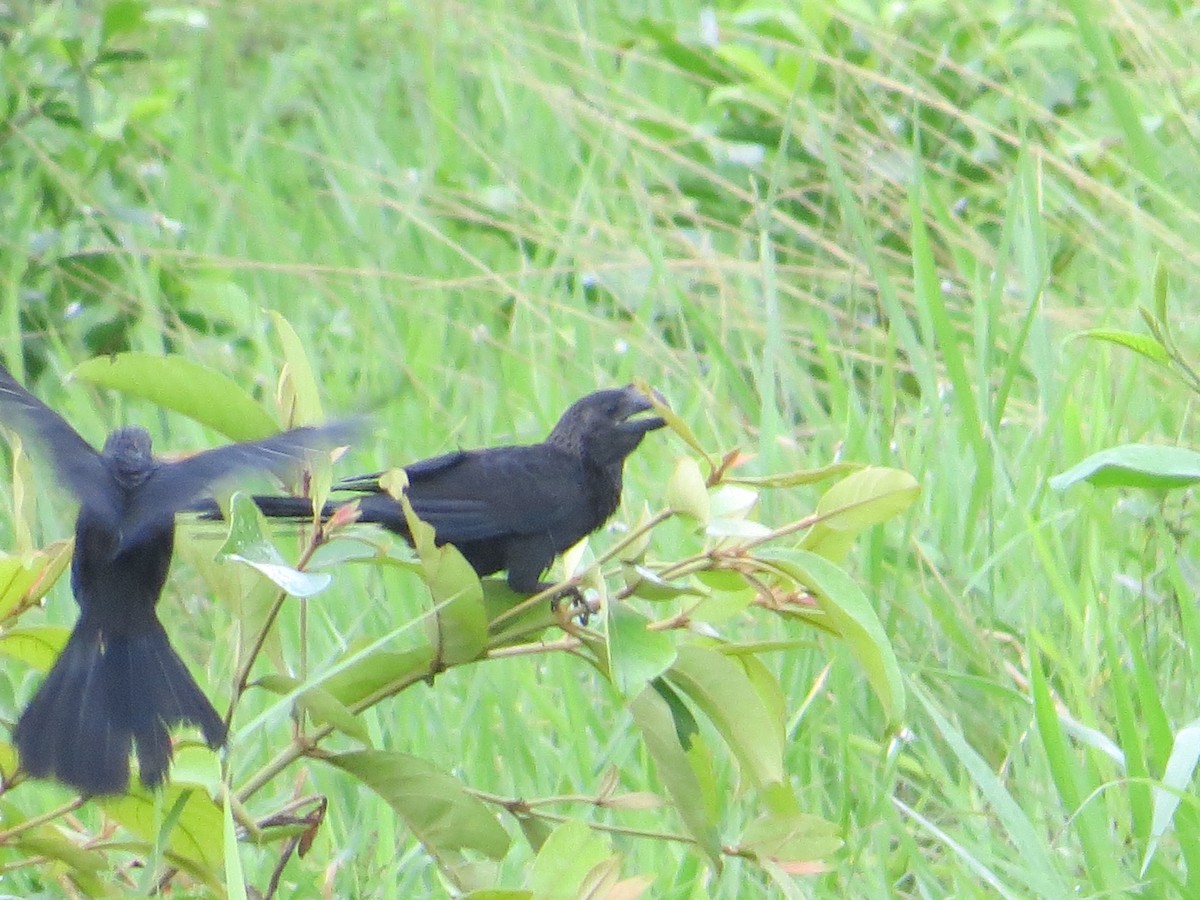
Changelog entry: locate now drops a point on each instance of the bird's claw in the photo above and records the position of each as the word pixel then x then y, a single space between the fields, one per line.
pixel 579 606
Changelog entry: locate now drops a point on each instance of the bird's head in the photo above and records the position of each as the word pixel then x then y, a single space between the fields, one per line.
pixel 601 426
pixel 127 451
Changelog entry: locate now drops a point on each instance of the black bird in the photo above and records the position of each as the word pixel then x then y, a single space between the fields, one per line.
pixel 118 682
pixel 510 508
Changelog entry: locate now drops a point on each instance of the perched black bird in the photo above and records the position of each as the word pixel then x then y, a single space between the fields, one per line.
pixel 511 508
pixel 118 682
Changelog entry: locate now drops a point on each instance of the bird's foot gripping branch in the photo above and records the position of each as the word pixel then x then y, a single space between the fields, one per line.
pixel 700 605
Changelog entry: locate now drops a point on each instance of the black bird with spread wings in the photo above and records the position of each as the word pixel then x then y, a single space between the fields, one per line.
pixel 511 508
pixel 118 682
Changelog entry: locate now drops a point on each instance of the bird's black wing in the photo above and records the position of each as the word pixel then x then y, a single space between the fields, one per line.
pixel 369 484
pixel 77 462
pixel 483 494
pixel 174 486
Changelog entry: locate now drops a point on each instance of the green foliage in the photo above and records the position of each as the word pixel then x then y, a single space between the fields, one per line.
pixel 84 115
pixel 1135 465
pixel 720 682
pixel 827 232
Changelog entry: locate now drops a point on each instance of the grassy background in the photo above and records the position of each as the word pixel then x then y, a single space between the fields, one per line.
pixel 828 230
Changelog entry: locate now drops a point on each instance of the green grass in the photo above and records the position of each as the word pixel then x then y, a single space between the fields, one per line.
pixel 474 213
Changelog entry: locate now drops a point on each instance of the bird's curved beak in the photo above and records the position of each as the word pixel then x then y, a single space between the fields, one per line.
pixel 635 402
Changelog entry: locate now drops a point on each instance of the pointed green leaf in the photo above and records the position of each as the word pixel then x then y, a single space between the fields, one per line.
pixel 375 671
pixel 636 655
pixel 1180 770
pixel 235 880
pixel 197 835
pixel 563 863
pixel 647 584
pixel 1161 288
pixel 535 829
pixel 721 690
pixel 24 490
pixel 791 837
pixel 687 493
pixel 653 717
pixel 37 645
pixel 1134 465
pixel 1141 344
pixel 320 704
pixel 300 397
pixel 460 622
pixel 86 865
pixel 797 479
pixel 248 544
pixel 865 498
pixel 851 616
pixel 434 805
pixel 24 581
pixel 672 418
pixel 174 382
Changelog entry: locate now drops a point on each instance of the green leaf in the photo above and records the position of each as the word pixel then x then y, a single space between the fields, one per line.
pixel 173 382
pixel 198 834
pixel 1134 465
pixel 86 865
pixel 647 584
pixel 721 690
pixel 459 624
pixel 247 544
pixel 672 418
pixel 320 704
pixel 636 655
pixel 1142 344
pixel 791 837
pixel 765 683
pixel 565 860
pixel 1161 286
pixel 24 581
pixel 687 494
pixel 722 604
pixel 235 880
pixel 731 501
pixel 37 645
pixel 798 478
pixel 300 396
pixel 24 490
pixel 536 830
pixel 851 616
pixel 728 506
pixel 1177 779
pixel 857 502
pixel 434 805
pixel 376 671
pixel 653 717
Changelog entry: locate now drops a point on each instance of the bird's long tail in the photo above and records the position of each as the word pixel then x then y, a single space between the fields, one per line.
pixel 273 507
pixel 106 694
pixel 378 509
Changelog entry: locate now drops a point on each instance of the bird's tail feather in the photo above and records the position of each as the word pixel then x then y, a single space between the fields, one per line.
pixel 367 483
pixel 376 509
pixel 106 694
pixel 273 507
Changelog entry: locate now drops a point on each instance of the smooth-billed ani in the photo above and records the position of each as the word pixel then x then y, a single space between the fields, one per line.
pixel 510 508
pixel 118 682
